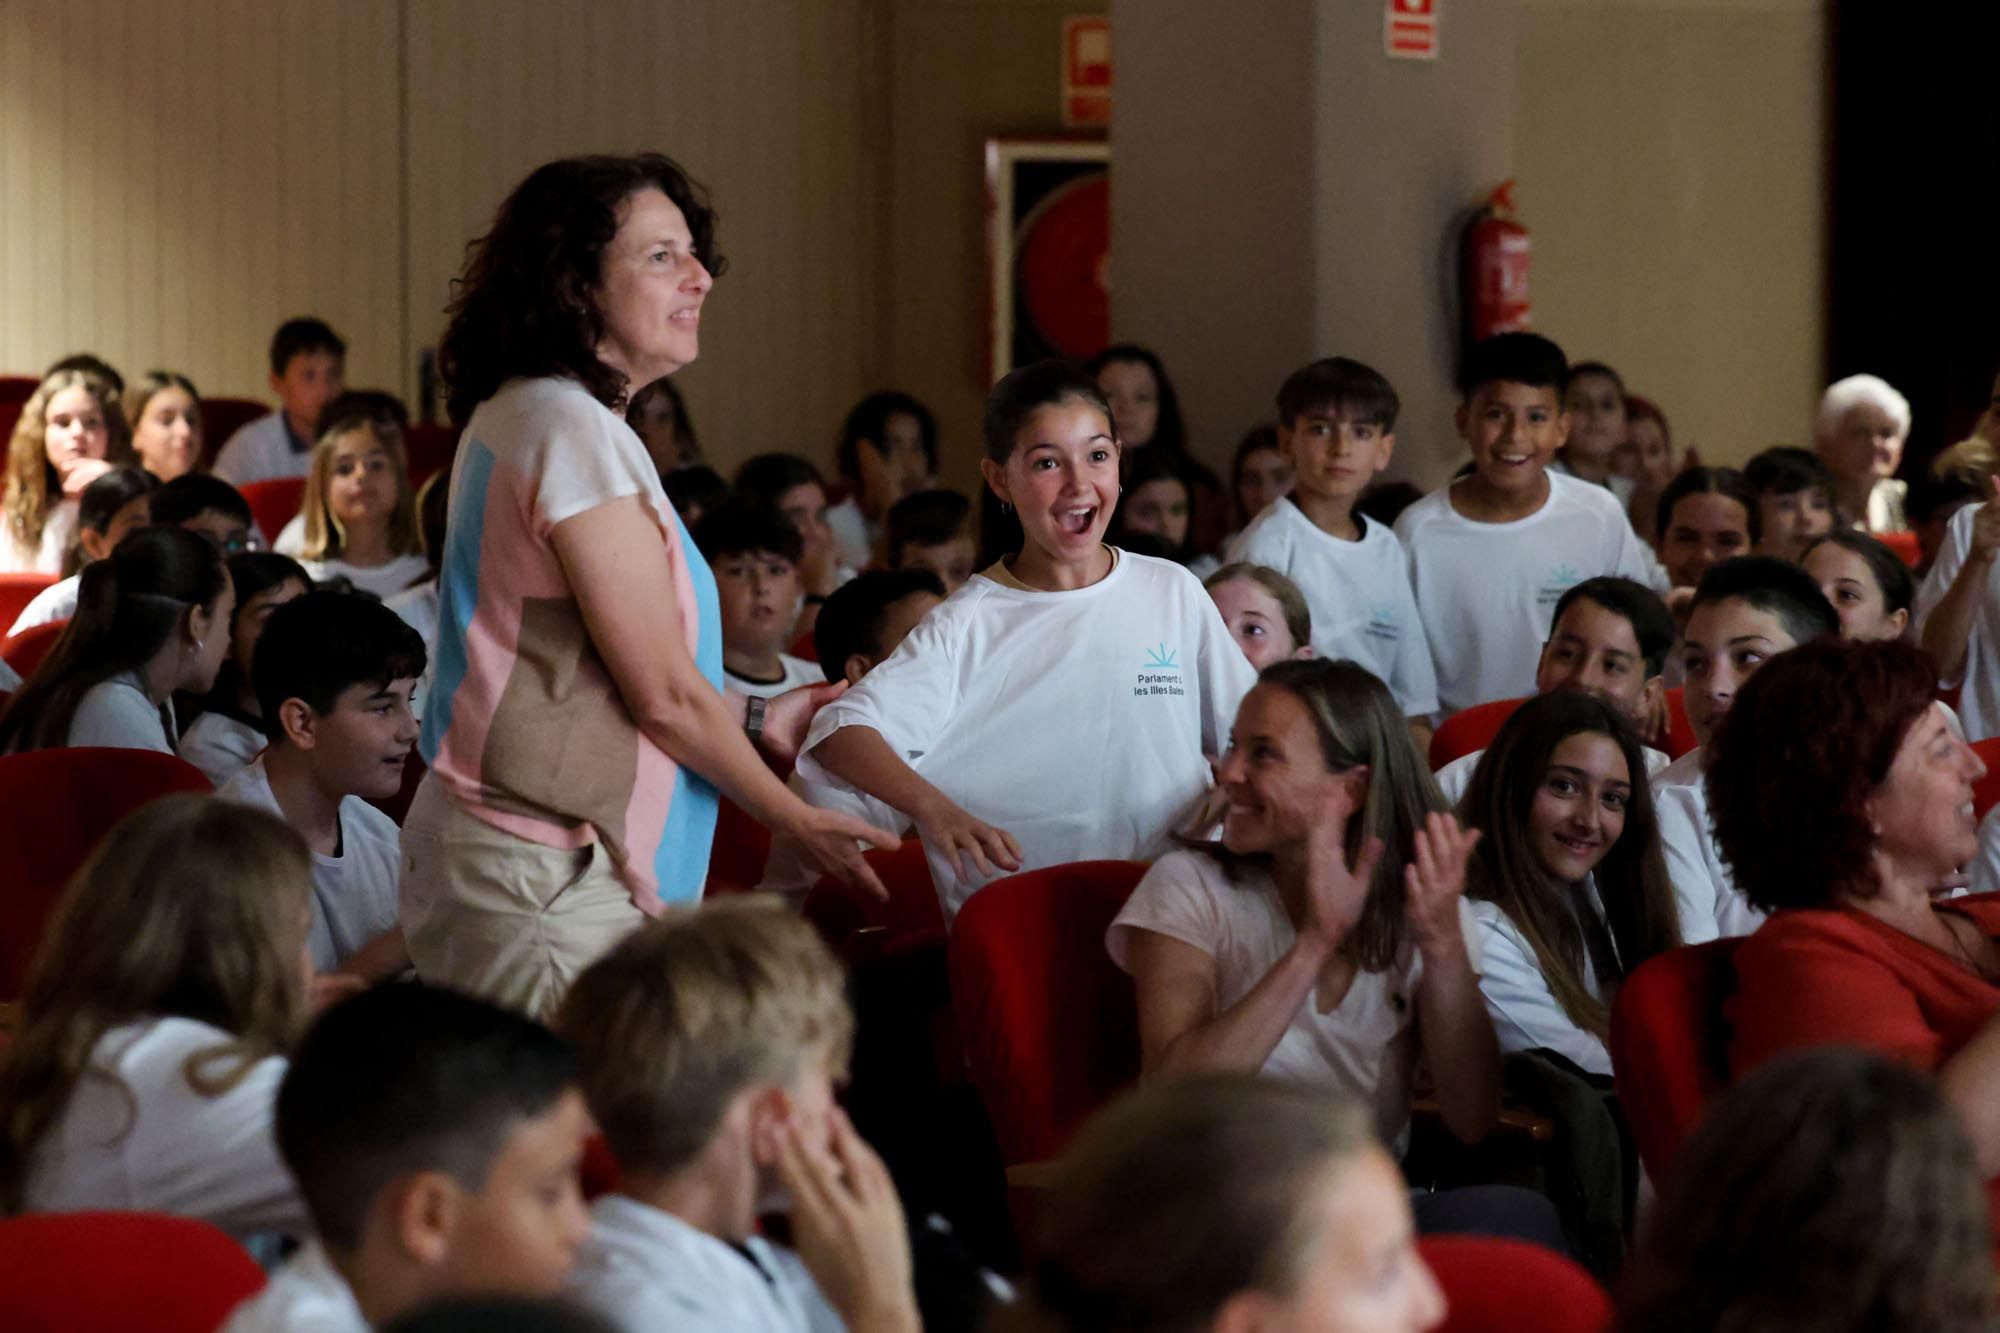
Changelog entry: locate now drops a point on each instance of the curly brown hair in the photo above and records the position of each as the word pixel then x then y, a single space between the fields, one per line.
pixel 1832 1191
pixel 1805 742
pixel 526 304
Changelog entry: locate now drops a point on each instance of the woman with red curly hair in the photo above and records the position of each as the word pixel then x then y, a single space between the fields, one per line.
pixel 1842 799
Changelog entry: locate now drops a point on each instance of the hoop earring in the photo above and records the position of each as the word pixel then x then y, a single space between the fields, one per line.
pixel 1006 508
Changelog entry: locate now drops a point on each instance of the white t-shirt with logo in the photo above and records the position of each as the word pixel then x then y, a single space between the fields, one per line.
pixel 1366 1046
pixel 1711 906
pixel 382 581
pixel 354 894
pixel 307 1295
pixel 1077 721
pixel 1359 595
pixel 53 603
pixel 222 745
pixel 1488 591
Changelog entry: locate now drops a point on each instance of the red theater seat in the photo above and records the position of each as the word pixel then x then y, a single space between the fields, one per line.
pixel 1669 1045
pixel 110 1272
pixel 25 651
pixel 274 503
pixel 16 591
pixel 1504 1286
pixel 61 803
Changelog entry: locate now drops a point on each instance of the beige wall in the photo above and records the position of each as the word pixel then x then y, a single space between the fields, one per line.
pixel 1672 171
pixel 180 177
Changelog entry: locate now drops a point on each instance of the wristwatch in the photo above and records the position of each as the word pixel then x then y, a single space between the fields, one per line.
pixel 753 719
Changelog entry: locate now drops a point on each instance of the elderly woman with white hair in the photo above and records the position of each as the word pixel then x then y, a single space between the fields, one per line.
pixel 1860 430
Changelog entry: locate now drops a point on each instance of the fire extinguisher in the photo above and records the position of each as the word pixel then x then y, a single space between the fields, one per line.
pixel 1494 269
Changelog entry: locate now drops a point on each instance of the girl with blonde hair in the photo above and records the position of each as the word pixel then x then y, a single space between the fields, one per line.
pixel 360 513
pixel 171 982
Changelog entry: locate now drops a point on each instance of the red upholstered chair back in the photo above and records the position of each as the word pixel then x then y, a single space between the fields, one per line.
pixel 60 804
pixel 429 450
pixel 1986 791
pixel 275 503
pixel 1905 545
pixel 16 591
pixel 1669 1045
pixel 1048 1021
pixel 1503 1286
pixel 17 389
pixel 1474 729
pixel 112 1272
pixel 860 926
pixel 742 846
pixel 1680 732
pixel 25 651
pixel 221 418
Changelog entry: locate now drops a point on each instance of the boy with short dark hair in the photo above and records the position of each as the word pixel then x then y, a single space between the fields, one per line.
pixel 308 368
pixel 1794 499
pixel 868 616
pixel 710 1042
pixel 933 530
pixel 1609 639
pixel 1337 429
pixel 333 674
pixel 860 625
pixel 1492 553
pixel 754 552
pixel 437 1140
pixel 1745 612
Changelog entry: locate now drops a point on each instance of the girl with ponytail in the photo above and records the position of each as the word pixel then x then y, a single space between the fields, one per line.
pixel 151 618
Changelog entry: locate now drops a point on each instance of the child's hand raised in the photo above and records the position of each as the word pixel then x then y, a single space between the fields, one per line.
pixel 848 1228
pixel 1434 881
pixel 969 844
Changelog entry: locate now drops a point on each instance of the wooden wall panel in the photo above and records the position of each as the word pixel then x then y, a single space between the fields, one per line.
pixel 181 176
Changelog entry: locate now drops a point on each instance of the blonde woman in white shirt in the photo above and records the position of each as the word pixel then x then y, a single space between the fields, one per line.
pixel 1324 938
pixel 1568 884
pixel 145 1069
pixel 1060 706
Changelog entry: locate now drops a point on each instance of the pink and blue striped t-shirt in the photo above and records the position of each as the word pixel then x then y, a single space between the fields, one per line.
pixel 525 727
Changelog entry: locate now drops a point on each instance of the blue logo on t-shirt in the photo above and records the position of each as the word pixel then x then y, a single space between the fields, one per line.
pixel 1161 674
pixel 1163 658
pixel 1560 580
pixel 1384 622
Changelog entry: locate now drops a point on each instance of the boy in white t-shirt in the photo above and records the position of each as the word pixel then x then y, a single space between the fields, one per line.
pixel 1745 612
pixel 754 551
pixel 438 1141
pixel 710 1042
pixel 1491 553
pixel 865 620
pixel 1337 428
pixel 333 673
pixel 308 371
pixel 1609 638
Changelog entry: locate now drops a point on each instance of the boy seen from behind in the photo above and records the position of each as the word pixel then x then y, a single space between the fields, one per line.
pixel 710 1044
pixel 437 1140
pixel 333 674
pixel 1492 553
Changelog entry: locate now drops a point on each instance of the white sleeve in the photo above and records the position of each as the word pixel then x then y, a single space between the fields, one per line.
pixel 216 1158
pixel 1413 677
pixel 1224 672
pixel 1635 560
pixel 1950 560
pixel 908 699
pixel 112 715
pixel 1525 1014
pixel 1986 865
pixel 1681 843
